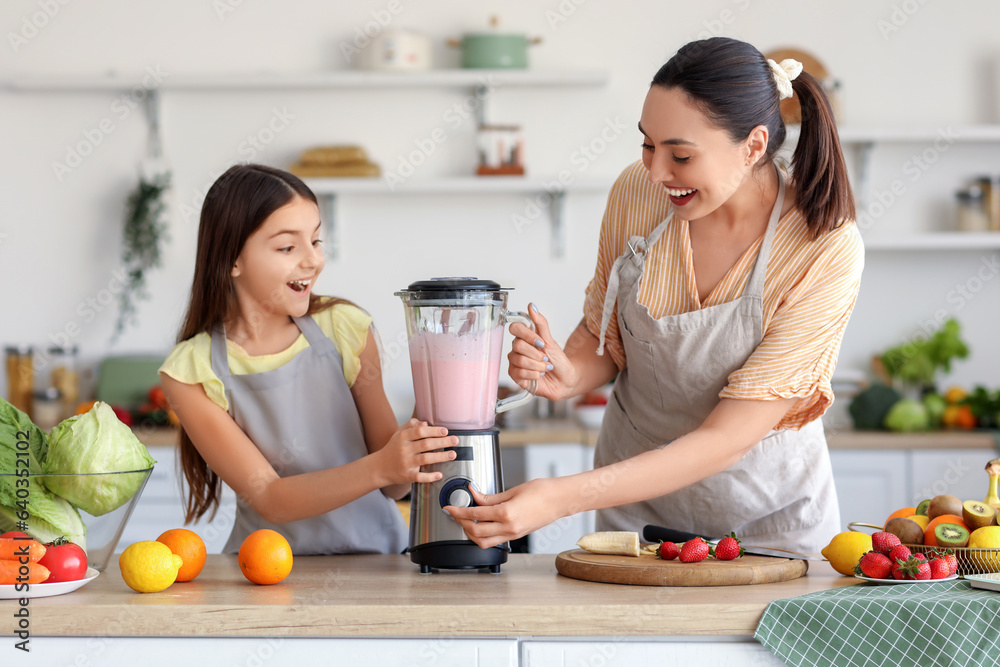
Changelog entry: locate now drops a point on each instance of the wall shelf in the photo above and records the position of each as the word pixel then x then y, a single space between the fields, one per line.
pixel 549 192
pixel 152 84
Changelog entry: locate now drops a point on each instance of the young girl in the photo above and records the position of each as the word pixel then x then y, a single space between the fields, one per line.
pixel 278 390
pixel 722 290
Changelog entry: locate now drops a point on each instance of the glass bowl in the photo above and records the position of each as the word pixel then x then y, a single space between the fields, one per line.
pixel 104 531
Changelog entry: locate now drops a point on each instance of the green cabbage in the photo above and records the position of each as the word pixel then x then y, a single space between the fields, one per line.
pixel 49 517
pixel 95 442
pixel 35 510
pixel 906 416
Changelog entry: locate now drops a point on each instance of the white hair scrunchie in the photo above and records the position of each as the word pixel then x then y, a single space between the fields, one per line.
pixel 784 73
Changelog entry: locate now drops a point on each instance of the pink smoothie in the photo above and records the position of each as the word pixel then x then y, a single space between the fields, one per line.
pixel 455 377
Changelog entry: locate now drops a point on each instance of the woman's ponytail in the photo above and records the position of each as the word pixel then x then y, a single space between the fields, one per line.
pixel 822 188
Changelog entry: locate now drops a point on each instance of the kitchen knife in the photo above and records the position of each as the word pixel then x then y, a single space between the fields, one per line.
pixel 659 534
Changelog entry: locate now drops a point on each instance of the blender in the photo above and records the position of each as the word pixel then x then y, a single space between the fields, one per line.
pixel 455 328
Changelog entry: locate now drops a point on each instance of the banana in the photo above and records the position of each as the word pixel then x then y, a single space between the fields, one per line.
pixel 615 542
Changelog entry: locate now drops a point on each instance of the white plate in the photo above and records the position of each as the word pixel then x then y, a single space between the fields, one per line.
pixel 950 577
pixel 43 590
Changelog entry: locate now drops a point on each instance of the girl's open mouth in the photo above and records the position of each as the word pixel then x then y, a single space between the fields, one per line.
pixel 681 196
pixel 299 285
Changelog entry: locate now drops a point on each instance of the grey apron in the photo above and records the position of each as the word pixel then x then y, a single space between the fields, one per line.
pixel 302 417
pixel 781 493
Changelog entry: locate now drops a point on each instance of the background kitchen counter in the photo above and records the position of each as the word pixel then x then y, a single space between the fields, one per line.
pixel 543 431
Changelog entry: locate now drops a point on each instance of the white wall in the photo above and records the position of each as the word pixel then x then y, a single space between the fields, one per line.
pixel 907 63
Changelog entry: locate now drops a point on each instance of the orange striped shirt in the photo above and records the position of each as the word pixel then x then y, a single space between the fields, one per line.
pixel 810 288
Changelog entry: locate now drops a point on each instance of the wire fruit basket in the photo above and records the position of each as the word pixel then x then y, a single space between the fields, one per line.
pixel 970 561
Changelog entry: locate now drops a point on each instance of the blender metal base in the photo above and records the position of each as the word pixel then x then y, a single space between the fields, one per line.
pixel 457 555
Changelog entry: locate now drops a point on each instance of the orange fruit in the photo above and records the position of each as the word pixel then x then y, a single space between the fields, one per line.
pixel 190 547
pixel 905 513
pixel 84 407
pixel 265 557
pixel 929 539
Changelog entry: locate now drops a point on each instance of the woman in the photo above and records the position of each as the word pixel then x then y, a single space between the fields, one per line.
pixel 721 294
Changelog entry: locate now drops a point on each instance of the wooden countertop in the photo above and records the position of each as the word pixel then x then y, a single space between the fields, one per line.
pixel 352 596
pixel 548 431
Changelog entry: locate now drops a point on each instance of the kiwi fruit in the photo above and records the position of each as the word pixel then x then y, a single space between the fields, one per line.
pixel 922 507
pixel 977 514
pixel 907 530
pixel 944 504
pixel 951 535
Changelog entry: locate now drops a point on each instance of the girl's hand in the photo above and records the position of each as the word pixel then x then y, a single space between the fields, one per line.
pixel 509 515
pixel 413 445
pixel 536 356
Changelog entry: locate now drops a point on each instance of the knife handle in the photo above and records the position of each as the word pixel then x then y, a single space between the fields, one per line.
pixel 659 534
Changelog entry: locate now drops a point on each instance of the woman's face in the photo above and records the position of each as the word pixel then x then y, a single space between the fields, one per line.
pixel 696 162
pixel 279 263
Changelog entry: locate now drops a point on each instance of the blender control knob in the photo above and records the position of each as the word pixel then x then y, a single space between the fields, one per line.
pixel 460 497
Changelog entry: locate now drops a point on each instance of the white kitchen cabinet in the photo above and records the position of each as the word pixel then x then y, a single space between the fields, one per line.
pixel 645 651
pixel 161 506
pixel 870 484
pixel 171 651
pixel 960 472
pixel 546 460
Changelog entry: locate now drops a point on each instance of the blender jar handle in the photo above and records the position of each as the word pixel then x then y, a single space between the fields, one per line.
pixel 524 395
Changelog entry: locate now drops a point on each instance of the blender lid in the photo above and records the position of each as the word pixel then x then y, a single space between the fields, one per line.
pixel 456 284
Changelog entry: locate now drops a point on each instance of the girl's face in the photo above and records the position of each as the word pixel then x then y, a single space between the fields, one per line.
pixel 279 263
pixel 696 162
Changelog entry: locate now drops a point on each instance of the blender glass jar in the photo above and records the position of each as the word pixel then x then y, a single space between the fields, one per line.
pixel 455 328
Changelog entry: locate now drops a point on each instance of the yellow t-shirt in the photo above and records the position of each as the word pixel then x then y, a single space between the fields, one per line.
pixel 809 292
pixel 190 361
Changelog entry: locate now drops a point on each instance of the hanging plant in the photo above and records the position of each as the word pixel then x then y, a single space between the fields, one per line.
pixel 142 241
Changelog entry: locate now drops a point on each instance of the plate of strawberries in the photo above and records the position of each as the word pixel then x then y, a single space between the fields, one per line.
pixel 892 562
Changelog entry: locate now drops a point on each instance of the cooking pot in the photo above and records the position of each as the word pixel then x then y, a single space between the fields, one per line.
pixel 397 50
pixel 493 49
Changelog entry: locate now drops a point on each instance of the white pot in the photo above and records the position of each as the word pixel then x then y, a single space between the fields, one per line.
pixel 397 50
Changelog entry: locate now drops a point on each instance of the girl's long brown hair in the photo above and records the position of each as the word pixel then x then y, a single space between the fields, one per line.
pixel 235 206
pixel 732 83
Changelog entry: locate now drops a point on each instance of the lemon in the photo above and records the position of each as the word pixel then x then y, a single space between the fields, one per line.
pixel 921 519
pixel 149 567
pixel 987 537
pixel 846 549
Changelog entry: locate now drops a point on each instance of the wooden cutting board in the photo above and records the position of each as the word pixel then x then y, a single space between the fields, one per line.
pixel 648 570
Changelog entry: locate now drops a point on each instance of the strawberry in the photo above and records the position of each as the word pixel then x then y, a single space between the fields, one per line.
pixel 694 550
pixel 940 568
pixel 899 553
pixel 875 565
pixel 668 550
pixel 728 548
pixel 884 542
pixel 920 556
pixel 948 556
pixel 912 568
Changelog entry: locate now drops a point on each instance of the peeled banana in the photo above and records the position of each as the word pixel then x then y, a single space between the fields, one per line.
pixel 614 542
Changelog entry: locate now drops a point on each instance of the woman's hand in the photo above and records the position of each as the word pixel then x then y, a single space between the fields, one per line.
pixel 509 515
pixel 413 445
pixel 536 356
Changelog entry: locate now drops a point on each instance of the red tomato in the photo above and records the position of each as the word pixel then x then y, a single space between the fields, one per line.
pixel 9 535
pixel 124 416
pixel 65 561
pixel 158 398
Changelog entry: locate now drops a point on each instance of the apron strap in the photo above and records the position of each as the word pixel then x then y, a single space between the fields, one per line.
pixel 755 286
pixel 637 247
pixel 220 355
pixel 314 334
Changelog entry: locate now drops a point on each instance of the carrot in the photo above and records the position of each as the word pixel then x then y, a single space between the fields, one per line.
pixel 13 548
pixel 10 573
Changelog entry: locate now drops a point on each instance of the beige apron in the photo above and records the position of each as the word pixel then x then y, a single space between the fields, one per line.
pixel 781 493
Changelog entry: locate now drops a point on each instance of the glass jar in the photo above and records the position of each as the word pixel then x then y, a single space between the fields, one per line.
pixel 972 213
pixel 990 185
pixel 65 378
pixel 47 408
pixel 20 376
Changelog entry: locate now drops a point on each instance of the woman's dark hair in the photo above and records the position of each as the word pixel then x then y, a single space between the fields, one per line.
pixel 235 206
pixel 731 82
